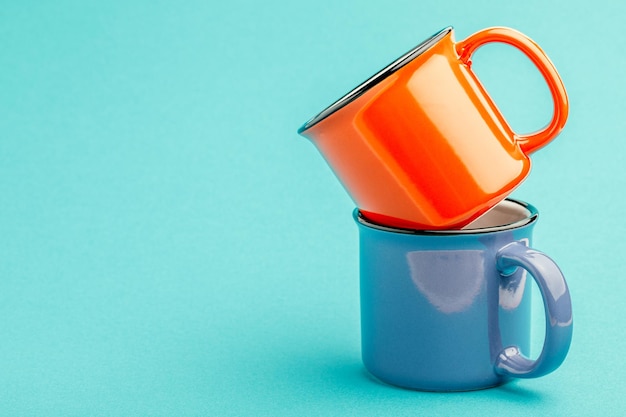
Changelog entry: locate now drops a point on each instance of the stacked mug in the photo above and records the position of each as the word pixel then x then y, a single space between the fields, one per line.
pixel 445 256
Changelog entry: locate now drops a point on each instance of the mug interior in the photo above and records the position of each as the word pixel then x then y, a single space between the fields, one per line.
pixel 508 212
pixel 376 78
pixel 506 215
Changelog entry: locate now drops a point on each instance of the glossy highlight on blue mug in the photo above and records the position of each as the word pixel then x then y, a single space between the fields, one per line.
pixel 450 310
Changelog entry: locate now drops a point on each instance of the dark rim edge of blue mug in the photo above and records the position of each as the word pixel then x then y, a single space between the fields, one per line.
pixel 376 78
pixel 530 218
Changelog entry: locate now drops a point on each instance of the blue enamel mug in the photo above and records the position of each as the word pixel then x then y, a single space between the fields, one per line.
pixel 449 310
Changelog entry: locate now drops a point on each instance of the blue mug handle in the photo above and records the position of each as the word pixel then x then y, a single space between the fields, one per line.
pixel 558 309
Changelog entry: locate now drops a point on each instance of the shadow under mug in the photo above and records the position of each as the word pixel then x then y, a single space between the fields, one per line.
pixel 422 145
pixel 450 310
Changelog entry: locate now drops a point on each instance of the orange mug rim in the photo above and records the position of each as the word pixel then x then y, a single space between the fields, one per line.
pixel 376 78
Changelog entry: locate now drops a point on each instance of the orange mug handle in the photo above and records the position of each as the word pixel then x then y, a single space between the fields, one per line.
pixel 533 141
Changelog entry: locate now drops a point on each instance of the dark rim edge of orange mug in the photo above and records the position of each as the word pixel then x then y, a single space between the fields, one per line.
pixel 376 78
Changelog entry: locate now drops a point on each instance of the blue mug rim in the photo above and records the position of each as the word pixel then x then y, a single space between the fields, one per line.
pixel 532 216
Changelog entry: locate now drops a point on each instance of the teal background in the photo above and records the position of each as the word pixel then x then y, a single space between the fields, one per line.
pixel 169 246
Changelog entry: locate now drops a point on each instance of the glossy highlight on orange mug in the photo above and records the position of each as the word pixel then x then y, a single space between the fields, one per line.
pixel 422 145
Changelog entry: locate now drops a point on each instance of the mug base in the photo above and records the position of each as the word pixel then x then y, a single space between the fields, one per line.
pixel 452 386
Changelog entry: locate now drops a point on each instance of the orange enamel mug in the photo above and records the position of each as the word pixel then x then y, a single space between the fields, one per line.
pixel 421 144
